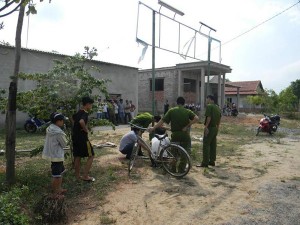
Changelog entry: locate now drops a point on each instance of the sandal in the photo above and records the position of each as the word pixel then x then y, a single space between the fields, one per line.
pixel 89 179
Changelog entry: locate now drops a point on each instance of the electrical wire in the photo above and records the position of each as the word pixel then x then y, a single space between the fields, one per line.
pixel 260 24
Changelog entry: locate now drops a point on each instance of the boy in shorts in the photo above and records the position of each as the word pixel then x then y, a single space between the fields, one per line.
pixel 81 145
pixel 54 151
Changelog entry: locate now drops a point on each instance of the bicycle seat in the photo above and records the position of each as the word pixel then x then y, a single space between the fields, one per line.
pixel 160 137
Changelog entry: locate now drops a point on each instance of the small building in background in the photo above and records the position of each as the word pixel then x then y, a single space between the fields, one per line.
pixel 189 80
pixel 239 95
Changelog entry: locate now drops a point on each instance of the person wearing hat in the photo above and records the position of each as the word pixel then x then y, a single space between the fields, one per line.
pixel 81 145
pixel 54 151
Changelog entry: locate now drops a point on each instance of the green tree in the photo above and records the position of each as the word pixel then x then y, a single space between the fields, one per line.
pixel 267 99
pixel 270 101
pixel 295 85
pixel 2 101
pixel 7 7
pixel 10 120
pixel 61 88
pixel 287 100
pixel 255 100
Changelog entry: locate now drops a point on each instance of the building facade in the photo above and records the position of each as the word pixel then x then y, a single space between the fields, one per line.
pixel 239 95
pixel 189 80
pixel 124 79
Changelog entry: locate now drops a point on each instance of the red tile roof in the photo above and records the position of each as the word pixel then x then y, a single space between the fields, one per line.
pixel 247 87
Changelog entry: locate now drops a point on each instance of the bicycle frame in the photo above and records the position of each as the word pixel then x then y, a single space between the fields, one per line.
pixel 174 158
pixel 148 149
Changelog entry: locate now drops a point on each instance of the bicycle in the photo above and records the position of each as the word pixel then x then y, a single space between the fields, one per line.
pixel 174 159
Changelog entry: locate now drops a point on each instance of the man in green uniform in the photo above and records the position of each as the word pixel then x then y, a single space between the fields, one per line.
pixel 212 122
pixel 181 120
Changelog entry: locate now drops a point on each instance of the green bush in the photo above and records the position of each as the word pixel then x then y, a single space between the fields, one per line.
pixel 10 207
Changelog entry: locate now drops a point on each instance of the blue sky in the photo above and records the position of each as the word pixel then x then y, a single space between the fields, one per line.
pixel 270 52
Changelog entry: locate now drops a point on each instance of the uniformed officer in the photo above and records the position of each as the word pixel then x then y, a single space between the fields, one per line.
pixel 181 120
pixel 212 123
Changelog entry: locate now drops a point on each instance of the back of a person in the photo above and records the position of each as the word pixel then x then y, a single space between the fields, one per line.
pixel 179 117
pixel 76 117
pixel 127 138
pixel 76 124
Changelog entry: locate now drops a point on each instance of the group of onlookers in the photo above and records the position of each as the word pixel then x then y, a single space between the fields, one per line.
pixel 179 118
pixel 116 111
pixel 229 109
pixel 191 106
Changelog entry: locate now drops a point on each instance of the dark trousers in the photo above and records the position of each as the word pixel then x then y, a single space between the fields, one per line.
pixel 210 146
pixel 127 117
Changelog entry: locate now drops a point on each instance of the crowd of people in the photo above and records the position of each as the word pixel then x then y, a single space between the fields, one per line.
pixel 179 117
pixel 116 111
pixel 229 109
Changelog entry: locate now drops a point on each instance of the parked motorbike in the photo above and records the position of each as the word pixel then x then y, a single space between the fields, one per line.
pixel 33 124
pixel 268 124
pixel 234 112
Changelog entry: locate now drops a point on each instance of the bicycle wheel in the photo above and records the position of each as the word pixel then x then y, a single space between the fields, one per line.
pixel 175 160
pixel 133 156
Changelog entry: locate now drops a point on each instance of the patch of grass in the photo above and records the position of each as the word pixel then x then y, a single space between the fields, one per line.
pixel 280 135
pixel 258 153
pixel 261 171
pixel 295 178
pixel 35 174
pixel 105 219
pixel 24 140
pixel 227 148
pixel 195 152
pixel 290 122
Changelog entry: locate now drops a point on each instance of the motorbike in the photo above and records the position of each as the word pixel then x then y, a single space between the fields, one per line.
pixel 33 124
pixel 234 112
pixel 268 124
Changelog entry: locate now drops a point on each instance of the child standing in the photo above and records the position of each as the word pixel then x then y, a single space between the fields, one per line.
pixel 54 152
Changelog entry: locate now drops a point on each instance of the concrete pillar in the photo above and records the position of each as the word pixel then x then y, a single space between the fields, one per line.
pixel 238 99
pixel 223 91
pixel 219 91
pixel 197 89
pixel 202 97
pixel 179 83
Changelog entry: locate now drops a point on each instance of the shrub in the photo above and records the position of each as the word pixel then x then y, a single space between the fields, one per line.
pixel 10 207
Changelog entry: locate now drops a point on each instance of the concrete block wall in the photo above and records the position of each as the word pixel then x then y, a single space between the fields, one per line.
pixel 169 93
pixel 124 79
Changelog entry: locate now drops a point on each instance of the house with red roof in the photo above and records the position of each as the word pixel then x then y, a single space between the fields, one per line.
pixel 237 92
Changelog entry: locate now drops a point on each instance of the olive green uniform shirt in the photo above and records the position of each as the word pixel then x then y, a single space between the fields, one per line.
pixel 213 111
pixel 179 117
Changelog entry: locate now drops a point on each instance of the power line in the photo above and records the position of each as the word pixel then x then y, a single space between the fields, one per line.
pixel 261 23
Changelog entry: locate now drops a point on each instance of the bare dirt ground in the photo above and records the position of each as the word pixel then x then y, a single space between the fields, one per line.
pixel 258 185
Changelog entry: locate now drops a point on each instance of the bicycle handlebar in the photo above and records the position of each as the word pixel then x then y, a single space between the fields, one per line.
pixel 142 128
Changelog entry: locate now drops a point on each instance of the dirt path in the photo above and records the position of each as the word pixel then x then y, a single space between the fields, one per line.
pixel 259 185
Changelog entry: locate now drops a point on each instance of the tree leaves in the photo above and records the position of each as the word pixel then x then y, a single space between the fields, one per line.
pixel 61 88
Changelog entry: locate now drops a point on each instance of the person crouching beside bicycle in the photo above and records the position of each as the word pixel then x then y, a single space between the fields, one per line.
pixel 128 140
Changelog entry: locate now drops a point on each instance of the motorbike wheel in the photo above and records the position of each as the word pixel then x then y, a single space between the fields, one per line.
pixel 274 128
pixel 30 128
pixel 258 130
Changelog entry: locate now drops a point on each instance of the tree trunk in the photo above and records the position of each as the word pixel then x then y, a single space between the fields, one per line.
pixel 10 123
